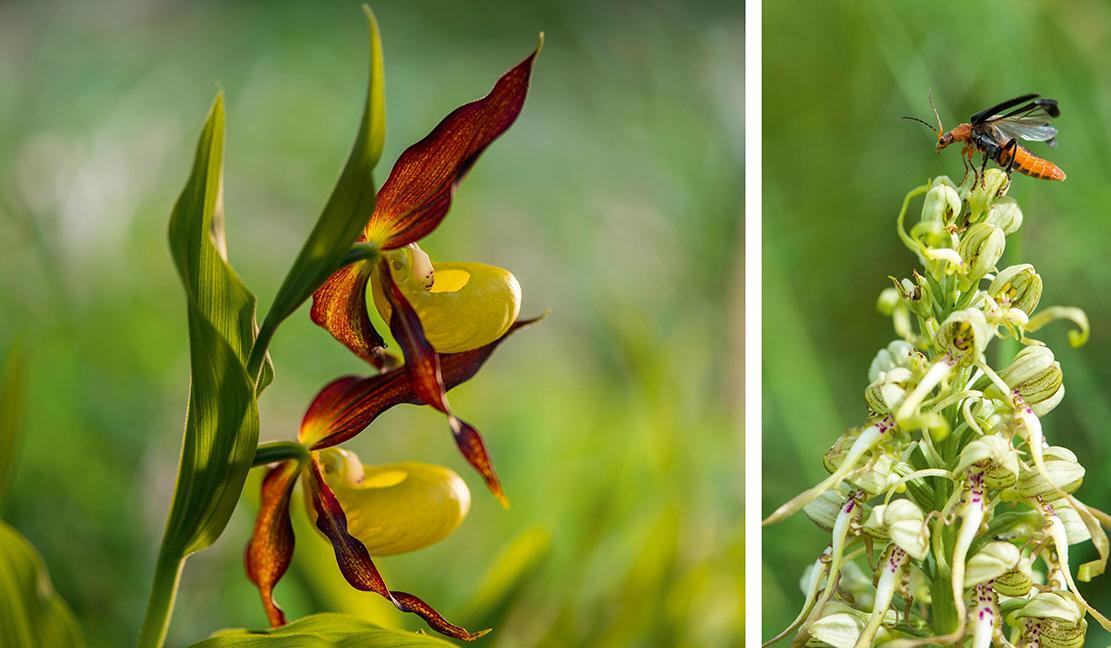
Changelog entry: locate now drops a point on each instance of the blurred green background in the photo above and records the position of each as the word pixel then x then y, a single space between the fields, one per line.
pixel 615 199
pixel 837 162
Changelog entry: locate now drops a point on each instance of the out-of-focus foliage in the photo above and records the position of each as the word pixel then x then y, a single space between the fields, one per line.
pixel 615 200
pixel 31 612
pixel 837 159
pixel 13 396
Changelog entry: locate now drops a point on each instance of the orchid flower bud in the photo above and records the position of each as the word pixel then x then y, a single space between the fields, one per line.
pixel 964 335
pixel 1052 619
pixel 842 626
pixel 915 294
pixel 992 186
pixel 888 390
pixel 1002 460
pixel 1062 472
pixel 981 247
pixel 991 562
pixel 1017 286
pixel 395 508
pixel 1036 377
pixel 1005 214
pixel 878 477
pixel 903 522
pixel 461 306
pixel 824 509
pixel 898 353
pixel 887 301
pixel 941 204
pixel 1018 581
pixel 840 629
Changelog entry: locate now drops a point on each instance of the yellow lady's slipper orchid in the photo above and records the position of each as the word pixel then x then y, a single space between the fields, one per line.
pixel 447 319
pixel 466 305
pixel 395 508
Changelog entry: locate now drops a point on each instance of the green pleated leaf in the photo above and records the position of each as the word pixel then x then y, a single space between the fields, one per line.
pixel 13 385
pixel 31 612
pixel 320 630
pixel 347 211
pixel 221 424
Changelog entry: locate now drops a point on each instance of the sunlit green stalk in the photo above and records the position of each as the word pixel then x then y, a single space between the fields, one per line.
pixel 275 451
pixel 160 606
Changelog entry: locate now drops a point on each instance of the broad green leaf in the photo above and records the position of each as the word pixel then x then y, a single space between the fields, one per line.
pixel 346 213
pixel 221 425
pixel 13 384
pixel 31 612
pixel 320 630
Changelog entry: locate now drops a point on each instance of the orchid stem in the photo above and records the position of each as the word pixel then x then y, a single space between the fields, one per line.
pixel 276 451
pixel 161 604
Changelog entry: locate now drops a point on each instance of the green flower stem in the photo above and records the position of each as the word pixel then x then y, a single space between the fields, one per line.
pixel 276 451
pixel 912 245
pixel 161 603
pixel 361 252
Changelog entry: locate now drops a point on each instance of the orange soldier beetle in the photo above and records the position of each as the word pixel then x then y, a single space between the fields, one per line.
pixel 995 132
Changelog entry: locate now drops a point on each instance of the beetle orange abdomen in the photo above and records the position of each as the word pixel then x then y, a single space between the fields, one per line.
pixel 1032 165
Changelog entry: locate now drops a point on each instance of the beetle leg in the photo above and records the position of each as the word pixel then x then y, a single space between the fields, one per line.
pixel 1012 148
pixel 966 162
pixel 983 168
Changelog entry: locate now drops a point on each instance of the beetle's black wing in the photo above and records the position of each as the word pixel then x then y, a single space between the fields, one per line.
pixel 1031 129
pixel 999 108
pixel 1029 122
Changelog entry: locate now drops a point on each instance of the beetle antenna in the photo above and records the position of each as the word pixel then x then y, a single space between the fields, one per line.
pixel 924 123
pixel 930 96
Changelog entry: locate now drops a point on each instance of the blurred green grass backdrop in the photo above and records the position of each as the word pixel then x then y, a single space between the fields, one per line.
pixel 837 162
pixel 615 200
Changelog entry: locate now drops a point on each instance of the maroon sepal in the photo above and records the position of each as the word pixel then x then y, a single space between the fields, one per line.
pixel 271 546
pixel 357 567
pixel 417 195
pixel 339 306
pixel 351 555
pixel 346 406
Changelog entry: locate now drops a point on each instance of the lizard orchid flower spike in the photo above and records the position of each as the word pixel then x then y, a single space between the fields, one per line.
pixel 952 475
pixel 431 308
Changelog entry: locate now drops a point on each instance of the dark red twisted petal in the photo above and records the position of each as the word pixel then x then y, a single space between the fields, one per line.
pixel 271 546
pixel 422 363
pixel 348 405
pixel 357 567
pixel 351 555
pixel 421 360
pixel 417 195
pixel 473 449
pixel 339 306
pixel 407 602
